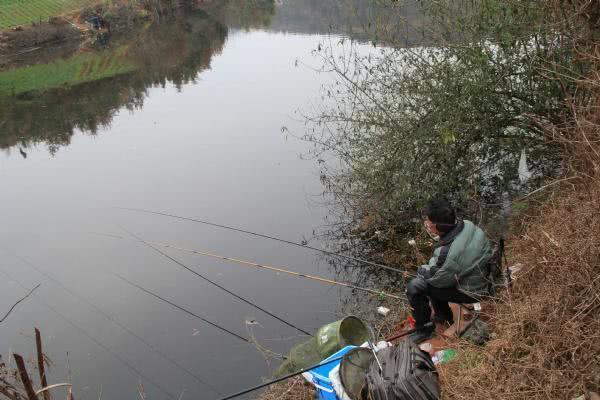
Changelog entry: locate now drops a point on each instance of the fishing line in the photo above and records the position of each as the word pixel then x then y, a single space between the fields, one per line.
pixel 268 267
pixel 231 228
pixel 117 323
pixel 86 334
pixel 218 285
pixel 183 309
pixel 280 270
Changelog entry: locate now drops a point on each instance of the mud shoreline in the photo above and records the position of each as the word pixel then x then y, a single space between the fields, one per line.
pixel 69 32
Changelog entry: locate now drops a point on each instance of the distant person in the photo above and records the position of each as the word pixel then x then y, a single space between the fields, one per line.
pixel 457 272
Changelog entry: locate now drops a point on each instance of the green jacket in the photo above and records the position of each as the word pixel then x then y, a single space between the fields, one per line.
pixel 461 260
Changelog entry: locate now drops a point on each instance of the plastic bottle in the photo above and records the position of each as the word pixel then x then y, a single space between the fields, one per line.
pixel 443 356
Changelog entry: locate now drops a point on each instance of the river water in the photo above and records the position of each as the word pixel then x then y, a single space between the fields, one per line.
pixel 184 118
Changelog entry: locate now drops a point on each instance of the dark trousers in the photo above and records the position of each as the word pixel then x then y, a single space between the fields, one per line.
pixel 420 294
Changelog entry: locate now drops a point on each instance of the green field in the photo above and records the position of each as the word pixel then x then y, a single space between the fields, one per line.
pixel 20 12
pixel 81 68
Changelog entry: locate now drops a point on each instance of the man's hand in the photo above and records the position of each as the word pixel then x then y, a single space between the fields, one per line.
pixel 424 273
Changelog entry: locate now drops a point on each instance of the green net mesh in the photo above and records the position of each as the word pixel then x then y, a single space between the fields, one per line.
pixel 353 371
pixel 328 340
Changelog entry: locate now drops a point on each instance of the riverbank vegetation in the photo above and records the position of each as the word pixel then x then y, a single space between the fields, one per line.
pixel 546 328
pixel 501 85
pixel 452 117
pixel 19 382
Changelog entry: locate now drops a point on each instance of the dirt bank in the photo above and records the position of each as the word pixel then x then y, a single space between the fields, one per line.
pixel 36 36
pixel 75 28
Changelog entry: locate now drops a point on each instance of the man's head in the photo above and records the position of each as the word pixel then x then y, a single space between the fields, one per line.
pixel 440 217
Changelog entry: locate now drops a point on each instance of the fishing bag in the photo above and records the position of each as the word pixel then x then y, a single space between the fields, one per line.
pixel 407 373
pixel 476 332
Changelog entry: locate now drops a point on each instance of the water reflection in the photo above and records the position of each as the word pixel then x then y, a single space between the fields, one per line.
pixel 49 102
pixel 359 19
pixel 211 150
pixel 46 96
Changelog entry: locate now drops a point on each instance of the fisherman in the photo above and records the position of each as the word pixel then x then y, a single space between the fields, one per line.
pixel 457 272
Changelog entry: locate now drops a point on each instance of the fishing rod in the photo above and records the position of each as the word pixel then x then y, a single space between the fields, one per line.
pixel 280 270
pixel 275 269
pixel 218 285
pixel 93 339
pixel 285 377
pixel 231 228
pixel 116 322
pixel 183 309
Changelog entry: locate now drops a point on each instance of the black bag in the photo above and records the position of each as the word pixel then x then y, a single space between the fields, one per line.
pixel 476 332
pixel 407 373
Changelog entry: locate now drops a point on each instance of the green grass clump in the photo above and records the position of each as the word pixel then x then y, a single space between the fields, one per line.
pixel 20 12
pixel 81 68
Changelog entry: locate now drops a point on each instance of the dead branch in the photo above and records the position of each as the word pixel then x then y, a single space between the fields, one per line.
pixel 25 377
pixel 14 305
pixel 46 389
pixel 40 361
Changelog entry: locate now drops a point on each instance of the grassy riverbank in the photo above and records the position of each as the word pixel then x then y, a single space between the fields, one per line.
pixel 29 26
pixel 19 12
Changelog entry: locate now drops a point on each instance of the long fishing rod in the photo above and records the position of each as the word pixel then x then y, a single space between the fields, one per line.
pixel 231 228
pixel 280 270
pixel 285 377
pixel 93 339
pixel 218 285
pixel 116 322
pixel 185 310
pixel 276 269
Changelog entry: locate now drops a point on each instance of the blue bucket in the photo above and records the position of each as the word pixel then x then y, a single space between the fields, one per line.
pixel 319 377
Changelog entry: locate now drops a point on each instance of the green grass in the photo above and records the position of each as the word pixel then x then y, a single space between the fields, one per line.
pixel 20 12
pixel 81 68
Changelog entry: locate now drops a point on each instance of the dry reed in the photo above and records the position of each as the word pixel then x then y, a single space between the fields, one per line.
pixel 293 389
pixel 546 342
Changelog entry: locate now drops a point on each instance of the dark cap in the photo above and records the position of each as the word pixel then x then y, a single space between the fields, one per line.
pixel 442 214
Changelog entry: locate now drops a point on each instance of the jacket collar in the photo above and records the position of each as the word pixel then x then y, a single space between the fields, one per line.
pixel 450 236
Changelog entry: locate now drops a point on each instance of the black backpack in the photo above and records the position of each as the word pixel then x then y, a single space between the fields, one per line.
pixel 406 373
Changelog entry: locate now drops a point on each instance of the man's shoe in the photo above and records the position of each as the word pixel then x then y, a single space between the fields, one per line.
pixel 422 335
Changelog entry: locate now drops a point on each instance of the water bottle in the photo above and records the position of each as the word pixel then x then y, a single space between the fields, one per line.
pixel 443 356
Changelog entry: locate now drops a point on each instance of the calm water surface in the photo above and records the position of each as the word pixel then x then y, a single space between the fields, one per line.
pixel 191 125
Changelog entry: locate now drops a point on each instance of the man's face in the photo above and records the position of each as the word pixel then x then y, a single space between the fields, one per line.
pixel 430 227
